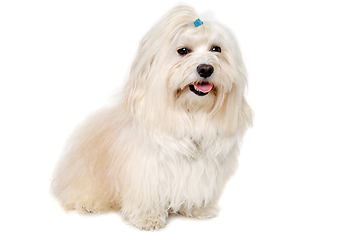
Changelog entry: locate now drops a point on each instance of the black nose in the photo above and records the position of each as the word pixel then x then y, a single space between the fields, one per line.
pixel 205 70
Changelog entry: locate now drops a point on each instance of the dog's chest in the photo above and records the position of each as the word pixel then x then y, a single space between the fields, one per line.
pixel 195 147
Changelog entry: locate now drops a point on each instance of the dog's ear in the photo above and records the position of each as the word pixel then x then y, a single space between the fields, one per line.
pixel 146 88
pixel 233 112
pixel 139 78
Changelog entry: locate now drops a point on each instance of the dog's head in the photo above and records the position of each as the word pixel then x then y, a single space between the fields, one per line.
pixel 185 66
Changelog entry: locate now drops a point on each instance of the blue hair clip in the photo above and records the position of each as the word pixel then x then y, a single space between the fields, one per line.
pixel 197 22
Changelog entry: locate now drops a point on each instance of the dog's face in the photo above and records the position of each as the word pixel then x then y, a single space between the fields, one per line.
pixel 203 66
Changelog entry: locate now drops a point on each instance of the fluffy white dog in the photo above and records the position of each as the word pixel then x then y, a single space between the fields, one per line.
pixel 171 142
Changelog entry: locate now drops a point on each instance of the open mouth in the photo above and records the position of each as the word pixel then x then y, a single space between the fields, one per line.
pixel 201 88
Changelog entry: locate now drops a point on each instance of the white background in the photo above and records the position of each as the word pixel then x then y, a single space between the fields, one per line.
pixel 299 175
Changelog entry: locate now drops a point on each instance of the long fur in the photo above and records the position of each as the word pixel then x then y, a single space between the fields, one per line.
pixel 161 148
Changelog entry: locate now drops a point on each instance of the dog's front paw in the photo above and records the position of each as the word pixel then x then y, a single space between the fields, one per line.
pixel 201 213
pixel 150 222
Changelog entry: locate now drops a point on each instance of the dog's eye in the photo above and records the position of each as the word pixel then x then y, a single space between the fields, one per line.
pixel 183 51
pixel 216 49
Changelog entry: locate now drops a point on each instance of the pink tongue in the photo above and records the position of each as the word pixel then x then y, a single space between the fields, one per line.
pixel 204 88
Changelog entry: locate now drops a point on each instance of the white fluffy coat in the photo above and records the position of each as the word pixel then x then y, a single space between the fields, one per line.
pixel 161 148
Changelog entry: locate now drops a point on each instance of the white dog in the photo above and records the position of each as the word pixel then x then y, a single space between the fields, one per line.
pixel 171 142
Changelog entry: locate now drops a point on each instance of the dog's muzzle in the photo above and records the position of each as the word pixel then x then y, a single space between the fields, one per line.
pixel 203 87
